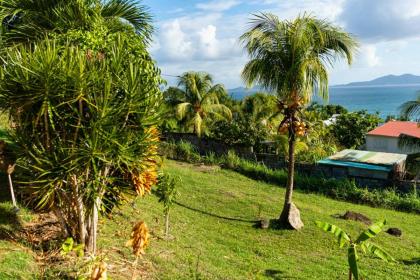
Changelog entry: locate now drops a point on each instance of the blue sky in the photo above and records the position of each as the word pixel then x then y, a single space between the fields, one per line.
pixel 203 35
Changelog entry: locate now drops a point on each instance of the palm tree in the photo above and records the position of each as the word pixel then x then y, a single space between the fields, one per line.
pixel 258 108
pixel 32 19
pixel 290 58
pixel 201 101
pixel 411 109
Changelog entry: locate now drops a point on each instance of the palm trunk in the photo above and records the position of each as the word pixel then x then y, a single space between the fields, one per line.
pixel 80 211
pixel 290 216
pixel 93 228
pixel 167 224
pixel 290 170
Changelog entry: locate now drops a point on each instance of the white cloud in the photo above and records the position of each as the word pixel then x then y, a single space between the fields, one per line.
pixel 218 5
pixel 368 56
pixel 195 38
pixel 173 42
pixel 382 20
pixel 328 9
pixel 209 44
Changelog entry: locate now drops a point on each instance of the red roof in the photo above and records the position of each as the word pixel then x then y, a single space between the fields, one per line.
pixel 395 128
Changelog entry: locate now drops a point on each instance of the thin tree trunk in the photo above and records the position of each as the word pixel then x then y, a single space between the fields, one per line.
pixel 47 131
pixel 93 228
pixel 167 224
pixel 12 192
pixel 290 170
pixel 290 216
pixel 350 274
pixel 79 210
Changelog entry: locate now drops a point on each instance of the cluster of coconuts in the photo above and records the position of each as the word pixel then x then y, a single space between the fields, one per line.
pixel 299 127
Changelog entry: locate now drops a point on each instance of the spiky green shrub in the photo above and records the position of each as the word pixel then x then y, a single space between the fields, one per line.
pixel 85 126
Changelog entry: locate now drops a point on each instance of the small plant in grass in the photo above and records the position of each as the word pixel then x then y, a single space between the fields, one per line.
pixel 232 160
pixel 353 246
pixel 211 158
pixel 167 191
pixel 70 246
pixel 187 151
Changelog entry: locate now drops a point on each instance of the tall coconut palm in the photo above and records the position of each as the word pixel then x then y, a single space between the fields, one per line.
pixel 201 101
pixel 31 19
pixel 410 110
pixel 290 58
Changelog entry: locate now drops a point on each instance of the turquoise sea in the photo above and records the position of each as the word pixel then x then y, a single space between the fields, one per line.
pixel 383 99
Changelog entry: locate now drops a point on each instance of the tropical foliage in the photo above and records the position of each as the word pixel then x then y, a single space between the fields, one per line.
pixel 362 242
pixel 200 102
pixel 29 20
pixel 351 128
pixel 289 58
pixel 85 103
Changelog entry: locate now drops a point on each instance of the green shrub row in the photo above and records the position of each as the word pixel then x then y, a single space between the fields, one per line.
pixel 340 189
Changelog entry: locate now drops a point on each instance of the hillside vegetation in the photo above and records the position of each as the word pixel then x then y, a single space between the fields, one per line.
pixel 213 235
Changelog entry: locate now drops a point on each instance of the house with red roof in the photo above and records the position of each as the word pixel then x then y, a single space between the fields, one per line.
pixel 385 138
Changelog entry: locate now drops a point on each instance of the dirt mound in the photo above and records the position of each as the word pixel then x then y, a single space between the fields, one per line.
pixel 394 231
pixel 354 216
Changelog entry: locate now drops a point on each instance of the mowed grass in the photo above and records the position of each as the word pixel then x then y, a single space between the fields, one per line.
pixel 16 260
pixel 213 234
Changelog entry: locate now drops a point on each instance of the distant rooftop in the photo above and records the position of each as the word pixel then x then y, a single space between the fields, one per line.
pixel 368 157
pixel 396 128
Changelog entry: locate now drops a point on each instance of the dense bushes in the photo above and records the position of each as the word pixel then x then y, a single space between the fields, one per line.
pixel 350 129
pixel 342 189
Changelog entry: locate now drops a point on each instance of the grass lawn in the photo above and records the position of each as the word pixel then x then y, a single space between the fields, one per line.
pixel 16 260
pixel 214 237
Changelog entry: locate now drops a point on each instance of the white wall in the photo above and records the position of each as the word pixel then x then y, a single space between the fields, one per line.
pixel 386 144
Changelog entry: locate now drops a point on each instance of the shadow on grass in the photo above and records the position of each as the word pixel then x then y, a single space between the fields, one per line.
pixel 4 188
pixel 276 274
pixel 413 261
pixel 10 222
pixel 215 215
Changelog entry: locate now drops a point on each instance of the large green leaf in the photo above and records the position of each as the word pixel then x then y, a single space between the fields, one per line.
pixel 341 237
pixel 378 251
pixel 352 259
pixel 371 232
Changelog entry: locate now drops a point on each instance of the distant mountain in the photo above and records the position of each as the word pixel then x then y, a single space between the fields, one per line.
pixel 242 92
pixel 388 80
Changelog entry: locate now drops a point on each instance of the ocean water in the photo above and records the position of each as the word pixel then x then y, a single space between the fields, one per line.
pixel 383 99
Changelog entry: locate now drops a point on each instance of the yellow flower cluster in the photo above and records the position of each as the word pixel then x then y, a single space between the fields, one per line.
pixel 139 239
pixel 144 180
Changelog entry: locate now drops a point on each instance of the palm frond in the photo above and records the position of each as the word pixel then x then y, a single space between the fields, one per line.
pixel 131 11
pixel 182 109
pixel 411 109
pixel 290 57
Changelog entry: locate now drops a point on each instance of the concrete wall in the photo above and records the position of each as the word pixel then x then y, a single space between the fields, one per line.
pixel 377 143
